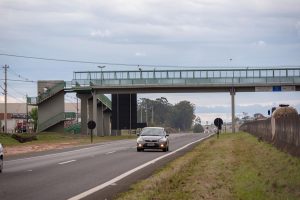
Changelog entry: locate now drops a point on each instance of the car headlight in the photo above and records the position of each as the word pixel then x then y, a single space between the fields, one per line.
pixel 139 140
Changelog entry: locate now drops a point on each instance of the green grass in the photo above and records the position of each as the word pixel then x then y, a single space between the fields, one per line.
pixel 44 138
pixel 7 140
pixel 235 166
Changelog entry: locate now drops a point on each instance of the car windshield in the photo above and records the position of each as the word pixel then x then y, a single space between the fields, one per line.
pixel 152 132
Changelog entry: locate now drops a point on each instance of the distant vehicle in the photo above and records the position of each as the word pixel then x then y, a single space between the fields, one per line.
pixel 1 158
pixel 153 138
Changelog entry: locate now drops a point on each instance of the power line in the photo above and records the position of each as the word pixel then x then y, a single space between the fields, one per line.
pixel 15 98
pixel 20 80
pixel 14 89
pixel 93 62
pixel 18 75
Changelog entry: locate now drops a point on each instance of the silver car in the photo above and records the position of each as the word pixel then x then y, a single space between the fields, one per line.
pixel 1 158
pixel 153 138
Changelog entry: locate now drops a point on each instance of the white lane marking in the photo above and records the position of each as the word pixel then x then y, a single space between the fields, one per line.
pixel 68 152
pixel 30 170
pixel 66 162
pixel 120 177
pixel 110 152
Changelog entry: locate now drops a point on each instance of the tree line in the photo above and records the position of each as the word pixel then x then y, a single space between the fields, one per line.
pixel 160 112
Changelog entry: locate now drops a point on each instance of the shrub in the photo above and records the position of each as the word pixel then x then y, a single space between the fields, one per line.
pixel 198 128
pixel 24 137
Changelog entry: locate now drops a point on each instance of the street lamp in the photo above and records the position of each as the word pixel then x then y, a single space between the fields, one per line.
pixel 101 67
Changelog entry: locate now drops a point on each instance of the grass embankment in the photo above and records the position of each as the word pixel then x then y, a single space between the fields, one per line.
pixel 235 166
pixel 50 138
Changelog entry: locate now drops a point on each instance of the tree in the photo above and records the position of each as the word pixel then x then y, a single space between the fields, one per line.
pixel 183 115
pixel 34 116
pixel 180 115
pixel 160 107
pixel 198 128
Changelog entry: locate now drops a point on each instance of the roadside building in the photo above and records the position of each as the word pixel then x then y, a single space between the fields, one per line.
pixel 17 116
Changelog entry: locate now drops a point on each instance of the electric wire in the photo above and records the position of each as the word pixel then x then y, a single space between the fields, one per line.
pixel 94 62
pixel 10 70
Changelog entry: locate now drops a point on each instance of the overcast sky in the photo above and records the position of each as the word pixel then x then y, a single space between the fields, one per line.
pixel 151 32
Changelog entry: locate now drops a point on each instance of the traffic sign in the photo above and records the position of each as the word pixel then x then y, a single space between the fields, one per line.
pixel 91 124
pixel 218 123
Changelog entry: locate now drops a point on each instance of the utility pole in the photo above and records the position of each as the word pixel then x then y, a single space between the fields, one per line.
pixel 146 114
pixel 152 117
pixel 141 113
pixel 77 110
pixel 27 127
pixel 5 97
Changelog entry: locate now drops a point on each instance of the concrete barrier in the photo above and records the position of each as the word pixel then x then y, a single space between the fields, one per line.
pixel 282 129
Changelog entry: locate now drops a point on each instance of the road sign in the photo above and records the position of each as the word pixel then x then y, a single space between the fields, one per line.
pixel 218 123
pixel 278 88
pixel 91 124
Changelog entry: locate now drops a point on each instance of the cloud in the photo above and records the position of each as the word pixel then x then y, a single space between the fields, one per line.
pixel 13 99
pixel 139 54
pixel 298 28
pixel 100 33
pixel 260 43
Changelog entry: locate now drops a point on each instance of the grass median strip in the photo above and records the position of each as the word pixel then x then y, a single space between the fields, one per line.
pixel 42 138
pixel 50 141
pixel 235 166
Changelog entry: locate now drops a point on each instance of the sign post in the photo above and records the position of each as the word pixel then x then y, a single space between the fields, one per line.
pixel 91 125
pixel 218 123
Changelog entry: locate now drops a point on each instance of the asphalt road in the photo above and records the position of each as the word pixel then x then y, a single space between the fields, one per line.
pixel 100 170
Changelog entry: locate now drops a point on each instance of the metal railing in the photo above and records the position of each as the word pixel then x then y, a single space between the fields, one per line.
pixel 52 121
pixel 187 77
pixel 106 101
pixel 50 92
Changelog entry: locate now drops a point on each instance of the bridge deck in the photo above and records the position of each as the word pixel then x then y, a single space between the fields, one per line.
pixel 204 78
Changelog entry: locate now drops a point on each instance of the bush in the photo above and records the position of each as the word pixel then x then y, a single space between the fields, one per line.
pixel 25 137
pixel 198 128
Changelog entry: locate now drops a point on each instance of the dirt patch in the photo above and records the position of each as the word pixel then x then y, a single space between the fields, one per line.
pixel 37 148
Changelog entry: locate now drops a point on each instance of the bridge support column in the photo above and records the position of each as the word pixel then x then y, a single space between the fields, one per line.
pixel 106 122
pixel 124 112
pixel 84 114
pixel 100 123
pixel 232 93
pixel 94 111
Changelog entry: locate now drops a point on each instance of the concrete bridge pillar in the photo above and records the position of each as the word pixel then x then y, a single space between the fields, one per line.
pixel 84 115
pixel 232 93
pixel 100 123
pixel 106 122
pixel 94 111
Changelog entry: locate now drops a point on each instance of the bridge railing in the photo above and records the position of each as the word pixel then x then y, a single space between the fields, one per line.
pixel 175 77
pixel 207 81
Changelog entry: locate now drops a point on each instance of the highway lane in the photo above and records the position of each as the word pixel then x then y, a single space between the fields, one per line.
pixel 67 174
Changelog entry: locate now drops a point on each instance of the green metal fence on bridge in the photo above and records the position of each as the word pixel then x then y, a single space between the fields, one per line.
pixel 238 76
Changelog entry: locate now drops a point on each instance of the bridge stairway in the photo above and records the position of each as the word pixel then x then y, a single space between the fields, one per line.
pixel 50 106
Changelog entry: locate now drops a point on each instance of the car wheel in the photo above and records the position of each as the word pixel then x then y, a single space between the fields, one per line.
pixel 138 150
pixel 164 149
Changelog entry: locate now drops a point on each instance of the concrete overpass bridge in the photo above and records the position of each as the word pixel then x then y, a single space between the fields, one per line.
pixel 124 85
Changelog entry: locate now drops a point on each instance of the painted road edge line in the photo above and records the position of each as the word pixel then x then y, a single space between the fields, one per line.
pixel 120 177
pixel 66 162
